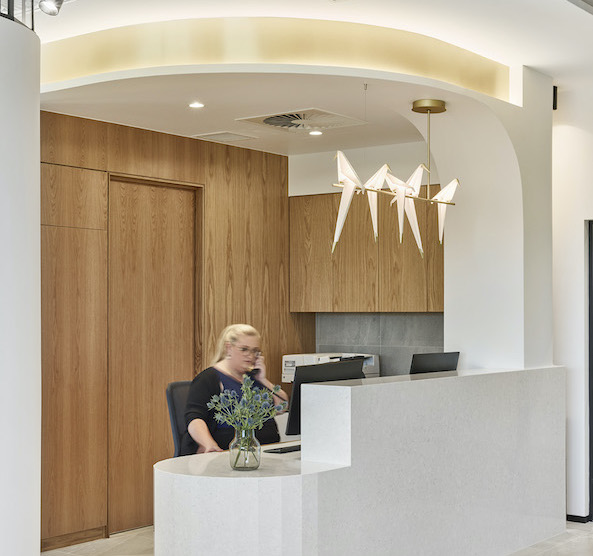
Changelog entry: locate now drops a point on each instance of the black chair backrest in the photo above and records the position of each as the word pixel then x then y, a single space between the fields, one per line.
pixel 177 393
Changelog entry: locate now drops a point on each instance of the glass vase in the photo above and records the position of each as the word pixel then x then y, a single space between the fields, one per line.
pixel 245 450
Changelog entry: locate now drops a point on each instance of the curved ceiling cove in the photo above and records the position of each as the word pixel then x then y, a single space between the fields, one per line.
pixel 308 42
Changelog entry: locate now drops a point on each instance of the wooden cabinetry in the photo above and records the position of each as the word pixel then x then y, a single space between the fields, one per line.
pixel 182 261
pixel 74 354
pixel 362 275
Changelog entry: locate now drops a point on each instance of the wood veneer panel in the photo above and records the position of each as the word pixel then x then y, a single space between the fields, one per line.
pixel 434 259
pixel 246 250
pixel 74 538
pixel 130 150
pixel 177 158
pixel 151 335
pixel 312 222
pixel 356 258
pixel 74 375
pixel 402 270
pixel 72 141
pixel 73 197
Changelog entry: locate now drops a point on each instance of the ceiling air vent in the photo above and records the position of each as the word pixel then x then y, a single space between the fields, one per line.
pixel 223 137
pixel 304 120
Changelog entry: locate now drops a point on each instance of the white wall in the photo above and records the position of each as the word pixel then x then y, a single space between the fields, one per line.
pixel 20 314
pixel 309 174
pixel 572 207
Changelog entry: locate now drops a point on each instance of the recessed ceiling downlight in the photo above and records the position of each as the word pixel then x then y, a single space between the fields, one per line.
pixel 316 132
pixel 196 104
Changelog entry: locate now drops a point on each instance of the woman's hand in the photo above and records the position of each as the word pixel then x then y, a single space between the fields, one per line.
pixel 259 368
pixel 209 447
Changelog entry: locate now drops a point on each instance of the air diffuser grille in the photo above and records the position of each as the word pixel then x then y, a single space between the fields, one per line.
pixel 304 120
pixel 223 137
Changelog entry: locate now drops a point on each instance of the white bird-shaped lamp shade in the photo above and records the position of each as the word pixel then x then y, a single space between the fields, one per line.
pixel 348 178
pixel 403 191
pixel 446 194
pixel 404 194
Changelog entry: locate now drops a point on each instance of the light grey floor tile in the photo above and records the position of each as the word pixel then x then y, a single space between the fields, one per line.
pixel 528 552
pixel 583 546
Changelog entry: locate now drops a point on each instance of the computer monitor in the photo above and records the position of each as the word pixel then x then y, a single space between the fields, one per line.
pixel 434 362
pixel 324 372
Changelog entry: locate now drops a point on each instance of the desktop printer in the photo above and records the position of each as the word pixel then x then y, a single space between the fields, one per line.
pixel 370 365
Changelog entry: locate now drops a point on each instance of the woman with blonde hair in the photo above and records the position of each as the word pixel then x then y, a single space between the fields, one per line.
pixel 238 354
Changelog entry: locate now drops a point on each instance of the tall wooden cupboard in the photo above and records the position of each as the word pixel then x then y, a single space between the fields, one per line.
pixel 151 244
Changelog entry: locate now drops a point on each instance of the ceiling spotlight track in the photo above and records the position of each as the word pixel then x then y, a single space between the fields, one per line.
pixel 50 7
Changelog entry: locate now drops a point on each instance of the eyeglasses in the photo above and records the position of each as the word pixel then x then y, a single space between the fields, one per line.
pixel 253 351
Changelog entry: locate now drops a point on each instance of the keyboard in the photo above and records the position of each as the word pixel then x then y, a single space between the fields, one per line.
pixel 284 449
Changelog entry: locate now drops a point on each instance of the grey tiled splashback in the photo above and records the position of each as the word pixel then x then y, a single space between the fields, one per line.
pixel 394 336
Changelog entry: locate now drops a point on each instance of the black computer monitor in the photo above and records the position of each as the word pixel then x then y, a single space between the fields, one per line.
pixel 324 372
pixel 434 362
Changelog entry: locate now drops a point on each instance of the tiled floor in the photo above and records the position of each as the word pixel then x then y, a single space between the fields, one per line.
pixel 576 541
pixel 139 542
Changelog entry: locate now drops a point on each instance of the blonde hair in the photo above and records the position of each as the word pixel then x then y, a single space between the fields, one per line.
pixel 230 335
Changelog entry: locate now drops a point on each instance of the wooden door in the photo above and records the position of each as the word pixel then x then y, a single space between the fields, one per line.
pixel 152 261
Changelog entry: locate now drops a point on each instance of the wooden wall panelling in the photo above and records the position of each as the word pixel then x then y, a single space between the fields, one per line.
pixel 177 158
pixel 72 141
pixel 287 333
pixel 151 335
pixel 402 272
pixel 312 223
pixel 74 378
pixel 73 197
pixel 434 259
pixel 198 281
pixel 246 252
pixel 355 268
pixel 130 150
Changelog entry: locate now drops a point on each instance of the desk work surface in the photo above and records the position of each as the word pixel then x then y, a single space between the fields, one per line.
pixel 216 465
pixel 461 463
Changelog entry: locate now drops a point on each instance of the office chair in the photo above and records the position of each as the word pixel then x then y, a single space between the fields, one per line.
pixel 177 393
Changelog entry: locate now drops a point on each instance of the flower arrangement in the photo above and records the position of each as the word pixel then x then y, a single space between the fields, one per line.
pixel 245 414
pixel 254 408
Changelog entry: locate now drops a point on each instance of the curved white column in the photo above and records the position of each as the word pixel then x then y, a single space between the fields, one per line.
pixel 20 287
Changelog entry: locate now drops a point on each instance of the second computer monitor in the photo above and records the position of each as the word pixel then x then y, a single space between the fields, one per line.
pixel 324 372
pixel 434 362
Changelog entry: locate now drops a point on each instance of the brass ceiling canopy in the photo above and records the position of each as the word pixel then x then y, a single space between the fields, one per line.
pixel 425 106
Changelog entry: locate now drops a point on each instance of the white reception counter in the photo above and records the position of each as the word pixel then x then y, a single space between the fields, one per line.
pixel 440 464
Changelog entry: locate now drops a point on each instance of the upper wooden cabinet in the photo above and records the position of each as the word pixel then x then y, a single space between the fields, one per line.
pixel 362 275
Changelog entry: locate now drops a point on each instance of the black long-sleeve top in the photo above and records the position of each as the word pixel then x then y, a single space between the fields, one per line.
pixel 201 390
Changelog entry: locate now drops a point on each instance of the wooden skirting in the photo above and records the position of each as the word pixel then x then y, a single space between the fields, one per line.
pixel 74 538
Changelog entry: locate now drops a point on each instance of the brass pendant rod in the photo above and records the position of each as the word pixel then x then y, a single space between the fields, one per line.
pixel 385 192
pixel 428 153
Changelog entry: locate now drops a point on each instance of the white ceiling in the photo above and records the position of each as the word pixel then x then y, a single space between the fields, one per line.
pixel 161 104
pixel 552 36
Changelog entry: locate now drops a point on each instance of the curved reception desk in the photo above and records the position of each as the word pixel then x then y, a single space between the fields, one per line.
pixel 440 464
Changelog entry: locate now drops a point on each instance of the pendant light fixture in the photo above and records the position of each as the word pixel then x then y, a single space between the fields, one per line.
pixel 404 193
